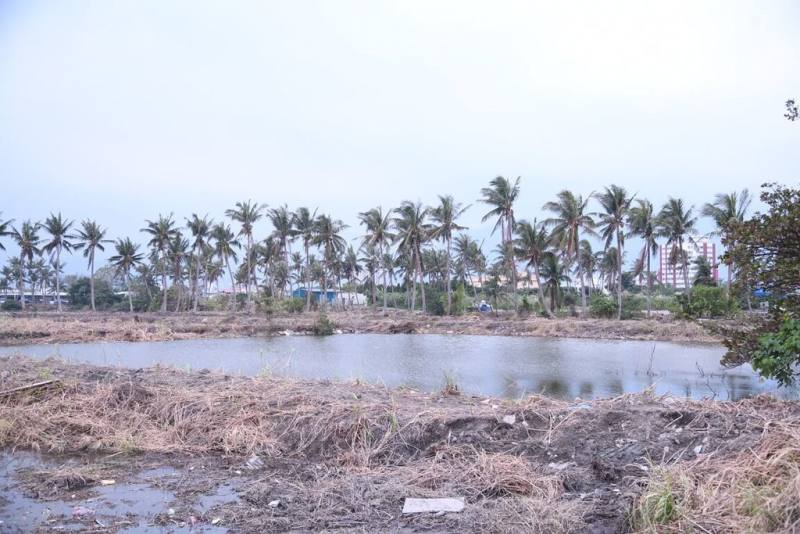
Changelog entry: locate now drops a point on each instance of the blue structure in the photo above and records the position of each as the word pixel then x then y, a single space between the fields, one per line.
pixel 316 294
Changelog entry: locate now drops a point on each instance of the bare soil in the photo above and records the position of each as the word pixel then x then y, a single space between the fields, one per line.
pixel 69 327
pixel 318 456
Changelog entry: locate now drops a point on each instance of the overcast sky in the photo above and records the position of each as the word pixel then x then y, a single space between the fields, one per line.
pixel 121 110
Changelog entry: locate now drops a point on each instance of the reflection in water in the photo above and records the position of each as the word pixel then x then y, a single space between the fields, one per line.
pixel 488 365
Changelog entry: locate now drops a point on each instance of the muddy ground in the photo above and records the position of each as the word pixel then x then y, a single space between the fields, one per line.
pixel 205 452
pixel 51 327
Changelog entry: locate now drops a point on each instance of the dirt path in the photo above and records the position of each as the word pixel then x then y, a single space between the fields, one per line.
pixel 17 328
pixel 218 453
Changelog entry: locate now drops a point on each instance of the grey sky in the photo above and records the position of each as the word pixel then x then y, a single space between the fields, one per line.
pixel 120 110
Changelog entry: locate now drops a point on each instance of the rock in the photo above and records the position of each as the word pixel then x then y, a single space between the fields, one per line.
pixel 509 419
pixel 417 506
pixel 274 504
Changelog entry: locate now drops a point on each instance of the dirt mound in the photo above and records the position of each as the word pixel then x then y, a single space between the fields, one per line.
pixel 344 456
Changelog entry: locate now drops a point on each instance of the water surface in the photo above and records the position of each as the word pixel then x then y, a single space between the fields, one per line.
pixel 486 365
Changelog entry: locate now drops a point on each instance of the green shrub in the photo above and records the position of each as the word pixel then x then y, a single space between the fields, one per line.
pixel 11 305
pixel 602 307
pixel 323 326
pixel 525 306
pixel 295 305
pixel 706 302
pixel 459 303
pixel 632 305
pixel 778 352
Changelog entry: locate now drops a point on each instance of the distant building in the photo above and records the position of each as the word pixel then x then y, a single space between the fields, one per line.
pixel 672 275
pixel 316 294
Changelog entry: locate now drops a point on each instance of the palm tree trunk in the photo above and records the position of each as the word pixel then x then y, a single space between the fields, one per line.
pixel 421 280
pixel 196 289
pixel 163 282
pixel 649 282
pixel 232 304
pixel 619 275
pixel 307 279
pixel 21 281
pixel 540 292
pixel 130 296
pixel 447 279
pixel 385 297
pixel 684 261
pixel 58 278
pixel 91 280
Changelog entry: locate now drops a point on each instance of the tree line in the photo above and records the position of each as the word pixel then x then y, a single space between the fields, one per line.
pixel 415 245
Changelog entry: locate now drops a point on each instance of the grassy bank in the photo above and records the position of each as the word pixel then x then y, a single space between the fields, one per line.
pixel 71 327
pixel 345 455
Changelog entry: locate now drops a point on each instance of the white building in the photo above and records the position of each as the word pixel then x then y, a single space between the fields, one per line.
pixel 672 275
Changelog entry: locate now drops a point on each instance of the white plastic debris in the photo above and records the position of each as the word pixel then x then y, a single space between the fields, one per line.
pixel 274 504
pixel 418 506
pixel 510 419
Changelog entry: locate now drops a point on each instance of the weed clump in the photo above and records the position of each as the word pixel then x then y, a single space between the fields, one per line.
pixel 323 326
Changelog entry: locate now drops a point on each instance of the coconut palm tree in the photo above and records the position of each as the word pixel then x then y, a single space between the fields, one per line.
pixel 247 214
pixel 378 234
pixel 327 236
pixel 225 245
pixel 677 224
pixel 178 252
pixel 351 268
pixel 27 239
pixel 615 203
pixel 725 211
pixel 126 259
pixel 501 195
pixel 589 260
pixel 554 272
pixel 161 232
pixel 91 237
pixel 304 222
pixel 569 220
pixel 531 245
pixel 200 227
pixel 444 216
pixel 411 232
pixel 643 223
pixel 283 233
pixel 58 228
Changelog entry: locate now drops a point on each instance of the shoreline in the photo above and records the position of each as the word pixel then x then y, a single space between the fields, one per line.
pixel 292 454
pixel 77 327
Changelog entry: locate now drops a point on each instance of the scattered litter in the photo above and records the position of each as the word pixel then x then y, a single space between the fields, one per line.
pixel 107 482
pixel 416 506
pixel 81 511
pixel 509 419
pixel 698 449
pixel 274 504
pixel 254 462
pixel 583 406
pixel 216 520
pixel 559 466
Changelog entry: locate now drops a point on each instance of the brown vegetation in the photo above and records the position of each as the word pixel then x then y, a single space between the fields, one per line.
pixel 18 328
pixel 344 456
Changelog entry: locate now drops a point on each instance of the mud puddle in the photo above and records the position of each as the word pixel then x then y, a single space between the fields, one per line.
pixel 47 494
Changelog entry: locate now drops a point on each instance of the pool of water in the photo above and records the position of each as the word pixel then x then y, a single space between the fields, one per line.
pixel 486 365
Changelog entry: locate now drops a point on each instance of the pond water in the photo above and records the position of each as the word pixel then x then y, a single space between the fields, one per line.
pixel 486 365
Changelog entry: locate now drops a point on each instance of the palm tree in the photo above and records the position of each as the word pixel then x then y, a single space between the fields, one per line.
pixel 304 223
pixel 501 195
pixel 178 251
pixel 615 203
pixel 378 226
pixel 161 233
pixel 444 215
pixel 676 223
pixel 126 258
pixel 588 260
pixel 412 230
pixel 27 239
pixel 351 268
pixel 91 237
pixel 642 223
pixel 225 243
pixel 58 228
pixel 531 245
pixel 5 230
pixel 327 235
pixel 569 220
pixel 247 214
pixel 554 273
pixel 725 211
pixel 283 233
pixel 200 227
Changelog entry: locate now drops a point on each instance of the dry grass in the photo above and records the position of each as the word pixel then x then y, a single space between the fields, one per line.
pixel 753 490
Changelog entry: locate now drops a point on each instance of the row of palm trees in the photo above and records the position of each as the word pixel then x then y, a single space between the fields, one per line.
pixel 401 241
